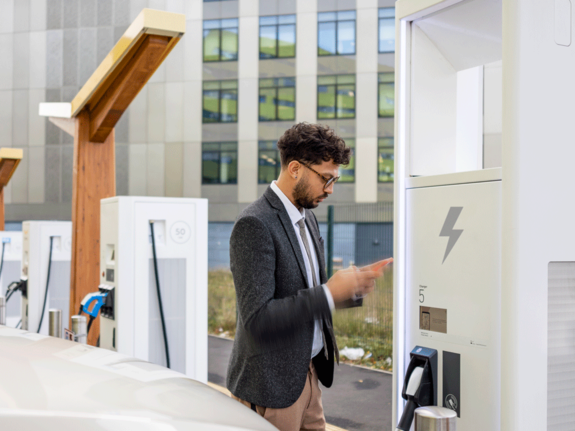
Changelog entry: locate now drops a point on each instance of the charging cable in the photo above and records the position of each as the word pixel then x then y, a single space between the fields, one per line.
pixel 409 409
pixel 159 295
pixel 100 299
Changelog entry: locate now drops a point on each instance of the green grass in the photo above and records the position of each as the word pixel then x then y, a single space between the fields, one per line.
pixel 369 327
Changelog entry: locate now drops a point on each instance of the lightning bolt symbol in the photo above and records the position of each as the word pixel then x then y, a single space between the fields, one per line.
pixel 449 231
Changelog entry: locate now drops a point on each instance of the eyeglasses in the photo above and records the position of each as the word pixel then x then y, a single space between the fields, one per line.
pixel 328 181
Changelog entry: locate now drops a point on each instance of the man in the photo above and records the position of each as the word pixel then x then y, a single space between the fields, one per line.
pixel 284 338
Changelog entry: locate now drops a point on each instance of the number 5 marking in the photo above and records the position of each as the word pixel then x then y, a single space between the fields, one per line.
pixel 421 296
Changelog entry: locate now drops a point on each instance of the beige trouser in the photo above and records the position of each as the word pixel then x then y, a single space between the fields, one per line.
pixel 305 414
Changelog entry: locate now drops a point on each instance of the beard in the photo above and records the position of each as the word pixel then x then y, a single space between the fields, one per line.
pixel 302 197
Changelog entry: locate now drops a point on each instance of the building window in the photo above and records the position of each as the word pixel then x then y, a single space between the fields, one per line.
pixel 347 172
pixel 269 163
pixel 385 160
pixel 277 36
pixel 221 40
pixel 387 29
pixel 220 104
pixel 277 99
pixel 336 96
pixel 220 163
pixel 386 94
pixel 336 33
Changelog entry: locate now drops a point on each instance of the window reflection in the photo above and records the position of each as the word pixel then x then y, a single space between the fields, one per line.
pixel 336 96
pixel 277 36
pixel 220 163
pixel 220 40
pixel 336 33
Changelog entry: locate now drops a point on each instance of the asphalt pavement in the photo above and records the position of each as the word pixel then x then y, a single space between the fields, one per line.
pixel 360 399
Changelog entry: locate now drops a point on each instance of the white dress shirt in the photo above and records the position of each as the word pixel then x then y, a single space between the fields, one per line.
pixel 296 215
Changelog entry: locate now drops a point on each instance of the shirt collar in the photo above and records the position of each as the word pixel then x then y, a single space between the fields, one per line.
pixel 295 215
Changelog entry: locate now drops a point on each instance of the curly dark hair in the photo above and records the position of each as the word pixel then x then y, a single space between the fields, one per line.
pixel 312 144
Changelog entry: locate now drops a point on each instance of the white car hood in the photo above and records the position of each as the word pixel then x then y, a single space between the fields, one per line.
pixel 52 384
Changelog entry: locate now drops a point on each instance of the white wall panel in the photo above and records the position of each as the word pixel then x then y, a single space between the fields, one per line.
pixel 36 180
pixel 156 112
pixel 36 123
pixel 193 169
pixel 366 169
pixel 174 111
pixel 138 170
pixel 193 111
pixel 37 63
pixel 155 174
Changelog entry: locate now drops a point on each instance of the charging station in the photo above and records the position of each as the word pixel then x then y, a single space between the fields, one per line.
pixel 10 269
pixel 131 320
pixel 46 256
pixel 484 269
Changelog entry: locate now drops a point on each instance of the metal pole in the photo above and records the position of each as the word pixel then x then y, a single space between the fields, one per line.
pixel 55 323
pixel 435 418
pixel 79 328
pixel 329 241
pixel 2 310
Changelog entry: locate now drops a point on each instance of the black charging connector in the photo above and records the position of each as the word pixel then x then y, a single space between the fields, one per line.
pixel 107 309
pixel 422 390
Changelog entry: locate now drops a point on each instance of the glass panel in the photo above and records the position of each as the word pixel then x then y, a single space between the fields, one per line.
pixel 386 77
pixel 286 103
pixel 211 85
pixel 210 106
pixel 212 23
pixel 229 167
pixel 229 106
pixel 326 16
pixel 386 99
pixel 286 19
pixel 268 41
pixel 346 15
pixel 230 44
pixel 286 82
pixel 267 104
pixel 326 38
pixel 326 101
pixel 385 164
pixel 386 12
pixel 345 79
pixel 326 80
pixel 211 146
pixel 267 166
pixel 229 84
pixel 229 146
pixel 211 45
pixel 286 40
pixel 267 82
pixel 347 173
pixel 387 35
pixel 210 164
pixel 346 37
pixel 267 145
pixel 268 20
pixel 228 23
pixel 346 101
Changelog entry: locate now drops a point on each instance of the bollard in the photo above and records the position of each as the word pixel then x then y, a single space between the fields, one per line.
pixel 55 323
pixel 79 328
pixel 2 310
pixel 434 418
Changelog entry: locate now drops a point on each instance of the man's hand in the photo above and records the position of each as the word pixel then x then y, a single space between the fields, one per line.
pixel 345 283
pixel 377 266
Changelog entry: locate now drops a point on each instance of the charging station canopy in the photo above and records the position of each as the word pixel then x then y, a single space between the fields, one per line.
pixel 90 118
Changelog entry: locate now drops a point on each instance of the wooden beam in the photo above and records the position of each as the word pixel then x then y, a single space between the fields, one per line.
pixel 2 210
pixel 68 125
pixel 126 86
pixel 94 178
pixel 9 160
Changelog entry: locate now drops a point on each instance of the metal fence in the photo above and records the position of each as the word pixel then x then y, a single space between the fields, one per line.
pixel 359 234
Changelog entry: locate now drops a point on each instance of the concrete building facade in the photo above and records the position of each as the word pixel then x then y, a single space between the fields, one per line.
pixel 206 123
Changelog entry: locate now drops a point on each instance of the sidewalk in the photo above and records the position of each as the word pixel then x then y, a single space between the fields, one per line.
pixel 360 399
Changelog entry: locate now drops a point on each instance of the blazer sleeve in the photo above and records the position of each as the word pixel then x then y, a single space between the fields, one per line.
pixel 253 263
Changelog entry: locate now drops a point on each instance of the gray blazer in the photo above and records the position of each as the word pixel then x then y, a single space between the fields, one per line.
pixel 276 309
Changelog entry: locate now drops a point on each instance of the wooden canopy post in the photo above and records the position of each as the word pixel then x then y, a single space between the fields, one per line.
pixel 9 161
pixel 91 118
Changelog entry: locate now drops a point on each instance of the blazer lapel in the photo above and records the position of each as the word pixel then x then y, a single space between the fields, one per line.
pixel 276 202
pixel 318 246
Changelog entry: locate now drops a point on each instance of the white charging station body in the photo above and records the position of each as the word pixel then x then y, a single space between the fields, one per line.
pixel 35 261
pixel 126 263
pixel 11 241
pixel 485 162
